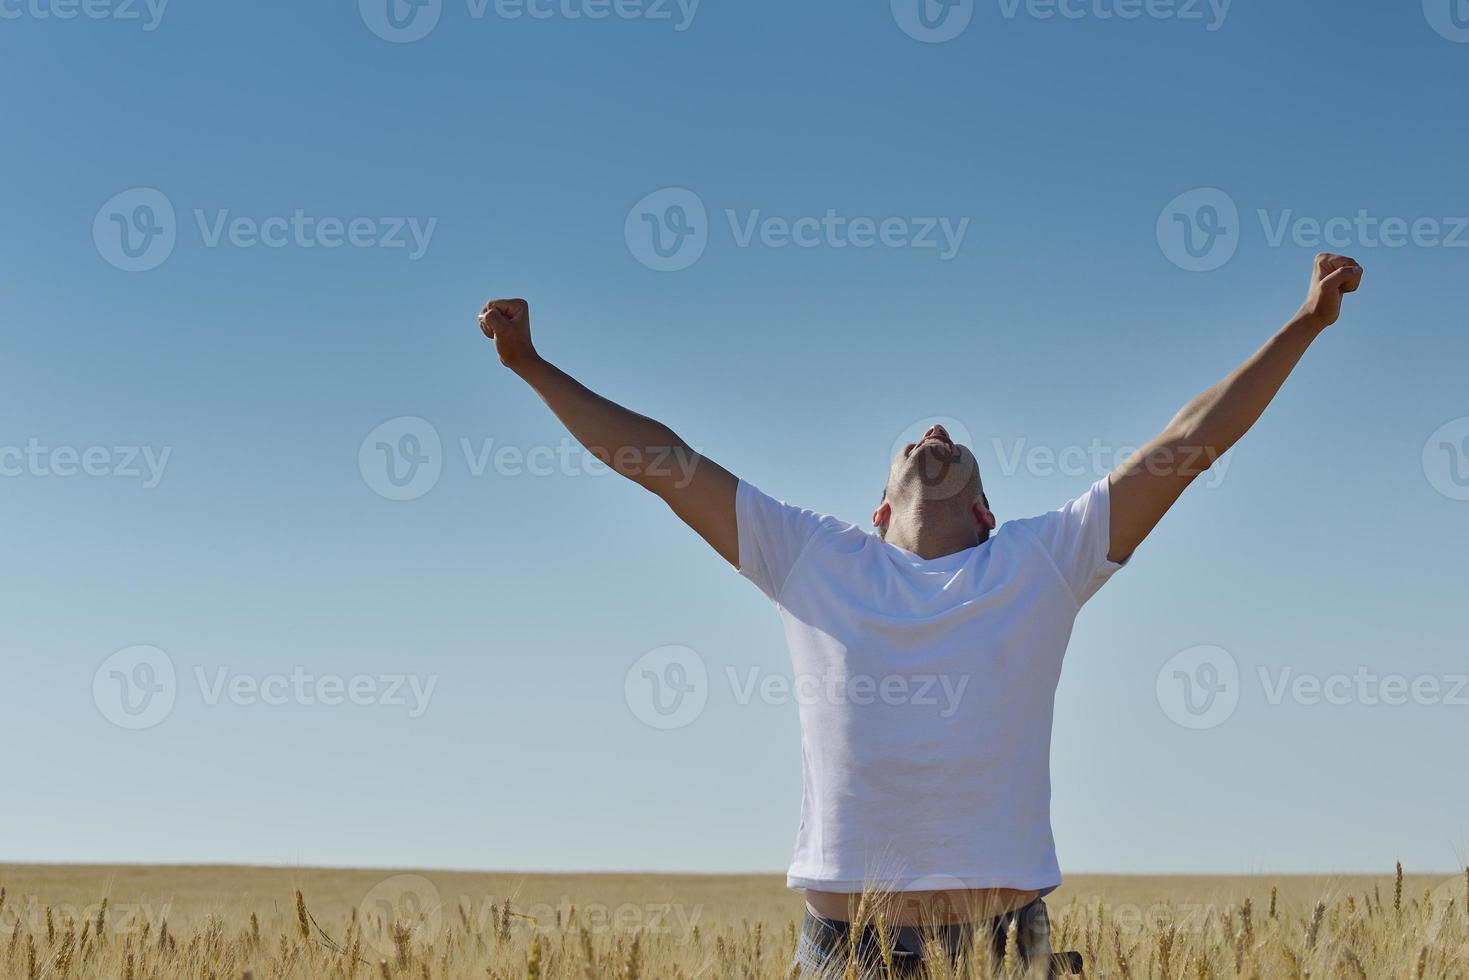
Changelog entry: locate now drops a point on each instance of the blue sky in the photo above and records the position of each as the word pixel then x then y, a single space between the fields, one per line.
pixel 237 519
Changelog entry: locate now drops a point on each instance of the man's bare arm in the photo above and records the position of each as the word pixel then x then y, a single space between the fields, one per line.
pixel 1146 486
pixel 699 491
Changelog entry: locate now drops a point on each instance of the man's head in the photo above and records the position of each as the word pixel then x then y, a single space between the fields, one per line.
pixel 934 497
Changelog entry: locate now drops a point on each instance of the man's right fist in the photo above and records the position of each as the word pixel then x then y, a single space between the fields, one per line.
pixel 507 323
pixel 1333 277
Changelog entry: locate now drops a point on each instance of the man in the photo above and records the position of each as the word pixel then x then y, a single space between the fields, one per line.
pixel 936 810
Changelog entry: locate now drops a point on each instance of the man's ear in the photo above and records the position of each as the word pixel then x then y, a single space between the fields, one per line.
pixel 882 515
pixel 983 516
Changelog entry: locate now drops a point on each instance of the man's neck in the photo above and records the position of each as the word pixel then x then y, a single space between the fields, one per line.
pixel 930 539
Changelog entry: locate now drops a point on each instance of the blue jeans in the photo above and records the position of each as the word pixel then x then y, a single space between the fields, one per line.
pixel 826 945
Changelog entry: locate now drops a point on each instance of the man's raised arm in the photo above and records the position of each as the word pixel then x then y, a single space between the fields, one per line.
pixel 1144 487
pixel 700 491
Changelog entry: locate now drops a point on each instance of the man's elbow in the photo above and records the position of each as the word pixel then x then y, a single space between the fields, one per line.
pixel 1183 450
pixel 666 463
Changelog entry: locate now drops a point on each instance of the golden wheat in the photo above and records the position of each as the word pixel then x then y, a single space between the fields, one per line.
pixel 217 924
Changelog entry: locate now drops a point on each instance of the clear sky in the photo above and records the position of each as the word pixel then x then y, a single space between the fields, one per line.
pixel 238 238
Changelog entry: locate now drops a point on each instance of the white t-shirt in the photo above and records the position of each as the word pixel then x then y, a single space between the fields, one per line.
pixel 926 691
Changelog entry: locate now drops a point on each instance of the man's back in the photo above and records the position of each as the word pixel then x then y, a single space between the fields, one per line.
pixel 926 689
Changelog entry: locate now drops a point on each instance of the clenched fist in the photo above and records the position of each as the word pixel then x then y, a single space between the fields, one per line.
pixel 1333 277
pixel 507 323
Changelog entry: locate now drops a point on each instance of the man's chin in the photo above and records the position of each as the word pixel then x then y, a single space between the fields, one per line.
pixel 935 452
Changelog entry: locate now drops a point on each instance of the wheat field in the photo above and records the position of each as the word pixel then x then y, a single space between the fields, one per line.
pixel 233 923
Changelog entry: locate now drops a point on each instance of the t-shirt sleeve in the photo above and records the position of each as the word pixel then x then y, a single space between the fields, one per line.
pixel 772 536
pixel 1077 538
